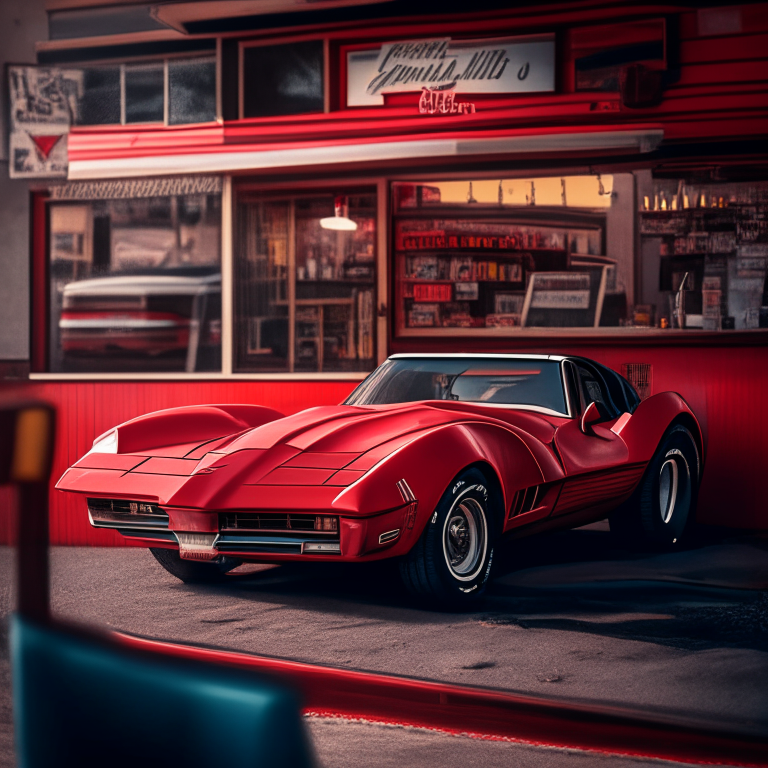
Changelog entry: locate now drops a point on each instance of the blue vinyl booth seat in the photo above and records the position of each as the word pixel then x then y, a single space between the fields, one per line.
pixel 84 701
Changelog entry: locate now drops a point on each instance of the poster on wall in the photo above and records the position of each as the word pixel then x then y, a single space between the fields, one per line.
pixel 43 101
pixel 504 65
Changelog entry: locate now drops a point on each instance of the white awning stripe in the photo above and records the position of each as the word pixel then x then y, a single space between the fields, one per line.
pixel 224 162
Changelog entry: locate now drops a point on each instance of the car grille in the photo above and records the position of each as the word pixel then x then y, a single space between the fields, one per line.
pixel 269 521
pixel 123 513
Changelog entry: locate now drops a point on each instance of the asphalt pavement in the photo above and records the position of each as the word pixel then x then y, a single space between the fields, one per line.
pixel 566 616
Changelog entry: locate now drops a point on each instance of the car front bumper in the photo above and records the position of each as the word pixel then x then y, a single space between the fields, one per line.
pixel 198 534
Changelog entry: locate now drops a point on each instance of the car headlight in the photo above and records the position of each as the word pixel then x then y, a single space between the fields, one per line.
pixel 106 443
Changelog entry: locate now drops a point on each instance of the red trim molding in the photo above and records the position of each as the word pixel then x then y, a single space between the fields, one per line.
pixel 39 282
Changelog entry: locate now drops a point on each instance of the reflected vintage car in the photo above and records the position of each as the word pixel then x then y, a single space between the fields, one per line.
pixel 430 460
pixel 149 313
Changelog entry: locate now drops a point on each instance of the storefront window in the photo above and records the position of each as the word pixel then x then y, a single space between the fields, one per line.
pixel 305 283
pixel 708 244
pixel 136 284
pixel 506 255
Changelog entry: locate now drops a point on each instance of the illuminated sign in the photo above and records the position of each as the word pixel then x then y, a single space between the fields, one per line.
pixel 505 65
pixel 434 102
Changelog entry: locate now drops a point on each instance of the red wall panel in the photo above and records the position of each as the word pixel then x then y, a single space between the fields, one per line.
pixel 726 387
pixel 86 409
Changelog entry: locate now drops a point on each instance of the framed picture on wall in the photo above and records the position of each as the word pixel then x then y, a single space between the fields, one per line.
pixel 565 299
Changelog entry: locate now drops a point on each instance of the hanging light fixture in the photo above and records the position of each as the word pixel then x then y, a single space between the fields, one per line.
pixel 340 221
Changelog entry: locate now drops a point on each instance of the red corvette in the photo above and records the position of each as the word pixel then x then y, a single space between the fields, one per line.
pixel 430 460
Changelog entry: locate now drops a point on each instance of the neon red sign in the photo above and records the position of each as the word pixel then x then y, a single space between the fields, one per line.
pixel 443 102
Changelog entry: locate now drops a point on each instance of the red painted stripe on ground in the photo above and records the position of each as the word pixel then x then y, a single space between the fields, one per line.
pixel 488 714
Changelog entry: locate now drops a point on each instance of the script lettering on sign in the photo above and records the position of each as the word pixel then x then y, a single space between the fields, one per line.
pixel 443 102
pixel 506 65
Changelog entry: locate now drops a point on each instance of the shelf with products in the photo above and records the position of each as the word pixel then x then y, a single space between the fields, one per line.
pixel 721 244
pixel 474 273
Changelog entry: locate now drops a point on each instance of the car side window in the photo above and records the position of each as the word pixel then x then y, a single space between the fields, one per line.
pixel 572 387
pixel 616 394
pixel 592 392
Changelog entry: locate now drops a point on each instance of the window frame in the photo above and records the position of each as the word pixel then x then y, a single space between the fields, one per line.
pixel 213 57
pixel 576 218
pixel 230 190
pixel 290 192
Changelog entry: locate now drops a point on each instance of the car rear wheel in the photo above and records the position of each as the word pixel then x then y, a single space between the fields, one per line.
pixel 450 563
pixel 191 572
pixel 662 508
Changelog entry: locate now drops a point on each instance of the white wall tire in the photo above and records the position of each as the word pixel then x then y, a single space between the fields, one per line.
pixel 450 564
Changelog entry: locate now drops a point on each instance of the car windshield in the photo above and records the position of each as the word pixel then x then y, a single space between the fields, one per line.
pixel 495 380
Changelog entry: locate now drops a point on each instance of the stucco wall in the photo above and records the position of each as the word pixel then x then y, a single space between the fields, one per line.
pixel 22 24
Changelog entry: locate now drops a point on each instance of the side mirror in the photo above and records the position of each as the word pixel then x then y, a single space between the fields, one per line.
pixel 590 417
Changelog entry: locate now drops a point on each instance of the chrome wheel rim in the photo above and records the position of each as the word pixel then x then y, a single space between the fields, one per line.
pixel 465 539
pixel 668 486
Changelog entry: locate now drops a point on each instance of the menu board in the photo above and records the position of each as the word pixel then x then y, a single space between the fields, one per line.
pixel 565 299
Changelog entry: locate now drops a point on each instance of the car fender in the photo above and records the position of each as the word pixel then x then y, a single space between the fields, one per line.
pixel 431 461
pixel 644 430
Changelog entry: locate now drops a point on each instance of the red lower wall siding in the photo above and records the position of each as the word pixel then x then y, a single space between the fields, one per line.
pixel 727 387
pixel 86 409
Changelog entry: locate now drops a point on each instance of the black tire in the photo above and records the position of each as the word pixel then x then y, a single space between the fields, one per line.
pixel 450 564
pixel 663 507
pixel 191 572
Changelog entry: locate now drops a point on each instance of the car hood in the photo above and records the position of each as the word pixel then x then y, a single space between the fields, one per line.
pixel 323 449
pixel 357 429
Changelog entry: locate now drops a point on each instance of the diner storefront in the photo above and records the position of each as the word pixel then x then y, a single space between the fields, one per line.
pixel 261 209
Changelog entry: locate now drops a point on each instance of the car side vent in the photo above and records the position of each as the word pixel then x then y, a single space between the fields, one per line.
pixel 525 500
pixel 639 375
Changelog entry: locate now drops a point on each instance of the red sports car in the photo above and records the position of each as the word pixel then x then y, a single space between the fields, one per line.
pixel 430 460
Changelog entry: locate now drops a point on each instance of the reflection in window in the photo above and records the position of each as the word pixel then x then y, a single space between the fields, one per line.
pixel 144 93
pixel 136 284
pixel 100 101
pixel 492 380
pixel 136 93
pixel 191 91
pixel 304 293
pixel 261 287
pixel 283 79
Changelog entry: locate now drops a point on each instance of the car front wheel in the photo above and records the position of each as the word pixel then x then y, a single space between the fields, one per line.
pixel 450 563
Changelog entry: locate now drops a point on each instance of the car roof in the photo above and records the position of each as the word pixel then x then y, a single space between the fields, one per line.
pixel 121 285
pixel 401 355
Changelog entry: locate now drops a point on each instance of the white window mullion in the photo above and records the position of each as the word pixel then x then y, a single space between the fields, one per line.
pixel 166 92
pixel 219 104
pixel 382 272
pixel 122 94
pixel 227 279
